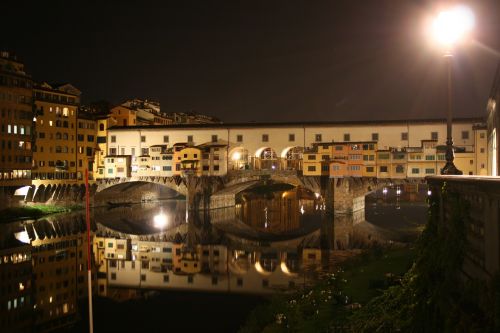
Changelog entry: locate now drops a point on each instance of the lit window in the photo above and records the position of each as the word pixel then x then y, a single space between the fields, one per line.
pixel 50 122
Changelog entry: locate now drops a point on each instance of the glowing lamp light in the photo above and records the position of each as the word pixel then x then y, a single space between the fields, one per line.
pixel 429 192
pixel 317 195
pixel 398 191
pixel 160 220
pixel 452 25
pixel 236 156
pixel 384 190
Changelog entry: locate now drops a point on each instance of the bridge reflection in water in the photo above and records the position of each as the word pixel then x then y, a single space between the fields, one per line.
pixel 268 242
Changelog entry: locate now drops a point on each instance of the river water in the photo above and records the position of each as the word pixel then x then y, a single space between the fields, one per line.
pixel 156 255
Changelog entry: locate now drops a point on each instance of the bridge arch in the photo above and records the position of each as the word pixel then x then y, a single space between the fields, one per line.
pixel 138 190
pixel 291 158
pixel 266 159
pixel 238 158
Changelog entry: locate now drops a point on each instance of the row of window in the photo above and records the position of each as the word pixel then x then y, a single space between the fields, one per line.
pixel 16 159
pixel 58 123
pixel 56 175
pixel 17 114
pixel 16 174
pixel 20 145
pixel 291 137
pixel 382 168
pixel 19 99
pixel 190 279
pixel 15 82
pixel 88 125
pixel 59 112
pixel 16 129
pixel 54 97
pixel 59 163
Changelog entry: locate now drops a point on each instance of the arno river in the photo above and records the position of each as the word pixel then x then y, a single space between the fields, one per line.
pixel 153 259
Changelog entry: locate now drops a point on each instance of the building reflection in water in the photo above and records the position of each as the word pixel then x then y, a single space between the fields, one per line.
pixel 266 244
pixel 276 212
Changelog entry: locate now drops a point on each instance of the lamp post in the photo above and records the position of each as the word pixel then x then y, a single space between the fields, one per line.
pixel 449 28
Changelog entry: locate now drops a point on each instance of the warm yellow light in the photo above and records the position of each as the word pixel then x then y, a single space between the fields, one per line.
pixel 236 156
pixel 160 220
pixel 452 25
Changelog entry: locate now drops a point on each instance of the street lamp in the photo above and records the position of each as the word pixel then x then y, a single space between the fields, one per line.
pixel 449 28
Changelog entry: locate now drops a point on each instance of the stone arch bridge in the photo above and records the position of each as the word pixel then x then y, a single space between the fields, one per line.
pixel 345 194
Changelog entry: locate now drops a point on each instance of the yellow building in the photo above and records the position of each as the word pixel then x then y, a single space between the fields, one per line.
pixel 55 153
pixel 481 149
pixel 317 160
pixel 16 121
pixel 124 116
pixel 103 122
pixel 190 160
pixel 369 159
pixel 86 135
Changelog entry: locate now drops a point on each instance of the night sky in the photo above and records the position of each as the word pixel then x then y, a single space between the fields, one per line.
pixel 256 60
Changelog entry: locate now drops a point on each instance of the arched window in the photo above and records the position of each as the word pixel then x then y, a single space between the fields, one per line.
pixel 101 127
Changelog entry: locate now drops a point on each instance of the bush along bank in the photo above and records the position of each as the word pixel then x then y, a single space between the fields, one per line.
pixel 33 212
pixel 433 295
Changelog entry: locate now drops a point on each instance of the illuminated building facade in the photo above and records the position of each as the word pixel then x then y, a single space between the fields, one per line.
pixel 16 122
pixel 55 155
pixel 383 149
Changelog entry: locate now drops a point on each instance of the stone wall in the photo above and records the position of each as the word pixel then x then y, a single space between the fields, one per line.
pixel 480 199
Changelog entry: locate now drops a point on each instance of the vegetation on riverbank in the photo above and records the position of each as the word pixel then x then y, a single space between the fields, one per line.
pixel 34 211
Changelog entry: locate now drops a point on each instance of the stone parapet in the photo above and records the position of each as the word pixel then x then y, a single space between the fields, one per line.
pixel 481 196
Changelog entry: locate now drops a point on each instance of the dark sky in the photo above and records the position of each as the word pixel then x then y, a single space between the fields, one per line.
pixel 256 60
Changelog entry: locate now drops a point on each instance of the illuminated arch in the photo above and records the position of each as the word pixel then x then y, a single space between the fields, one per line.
pixel 266 158
pixel 238 158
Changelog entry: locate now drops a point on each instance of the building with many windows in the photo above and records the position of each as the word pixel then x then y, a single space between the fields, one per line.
pixel 86 136
pixel 56 152
pixel 16 121
pixel 383 149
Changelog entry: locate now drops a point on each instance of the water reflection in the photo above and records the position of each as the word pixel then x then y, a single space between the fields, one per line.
pixel 268 242
pixel 278 212
pixel 144 218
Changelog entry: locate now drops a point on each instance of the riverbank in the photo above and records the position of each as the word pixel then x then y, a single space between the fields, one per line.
pixel 12 214
pixel 328 305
